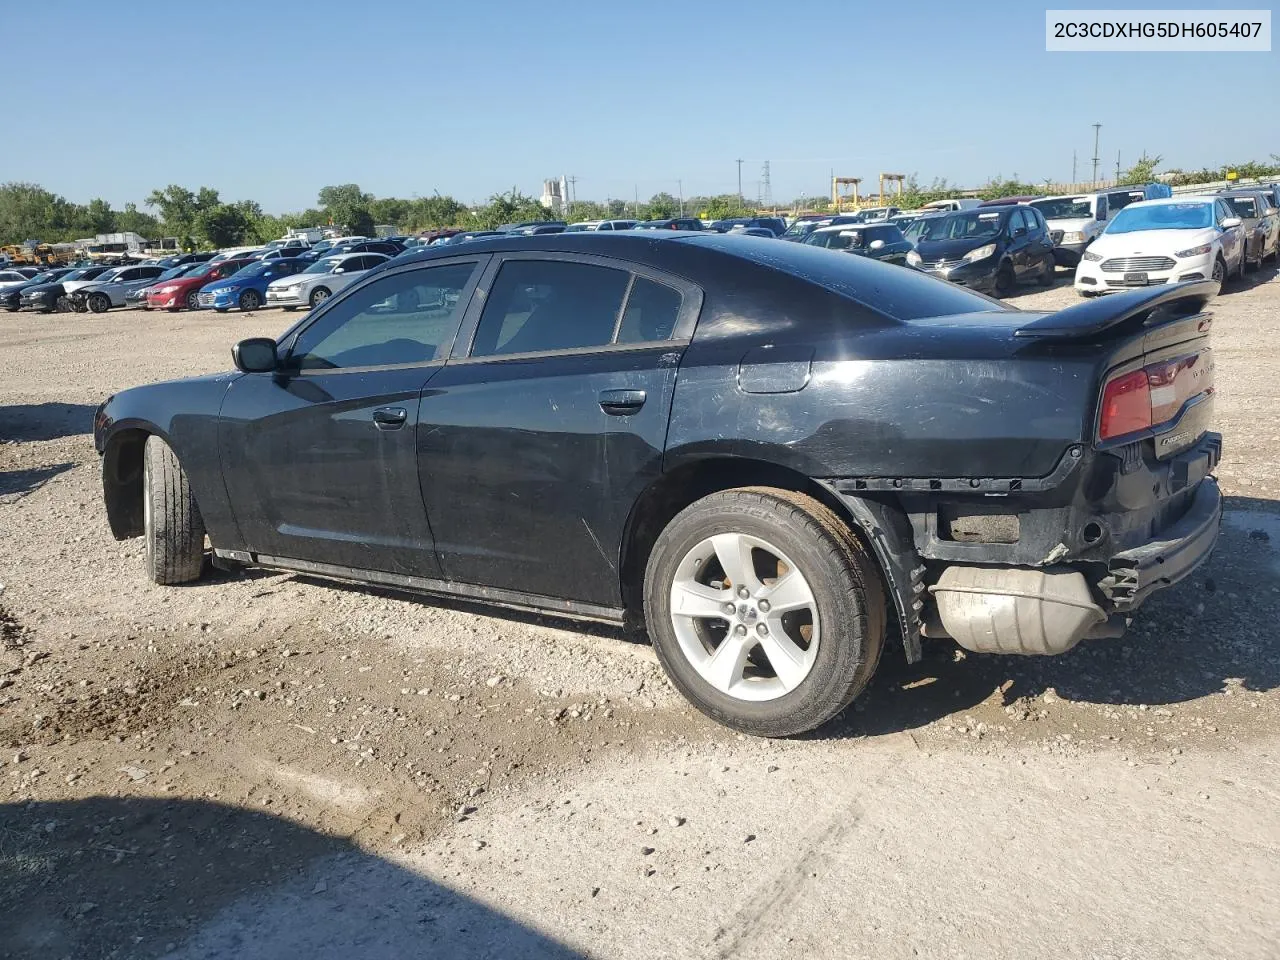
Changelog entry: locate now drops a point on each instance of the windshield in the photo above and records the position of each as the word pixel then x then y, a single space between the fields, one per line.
pixel 323 266
pixel 836 239
pixel 1242 206
pixel 578 227
pixel 255 269
pixel 1064 208
pixel 1163 216
pixel 803 228
pixel 108 276
pixel 960 226
pixel 47 277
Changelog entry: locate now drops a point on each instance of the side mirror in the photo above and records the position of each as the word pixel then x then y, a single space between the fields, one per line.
pixel 339 269
pixel 1020 232
pixel 255 355
pixel 1230 222
pixel 876 244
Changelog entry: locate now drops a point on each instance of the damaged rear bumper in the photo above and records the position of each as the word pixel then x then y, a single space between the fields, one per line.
pixel 1135 574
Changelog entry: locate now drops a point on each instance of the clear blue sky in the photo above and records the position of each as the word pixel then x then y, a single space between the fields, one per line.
pixel 470 98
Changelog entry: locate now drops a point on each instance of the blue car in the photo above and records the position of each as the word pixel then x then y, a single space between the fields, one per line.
pixel 247 287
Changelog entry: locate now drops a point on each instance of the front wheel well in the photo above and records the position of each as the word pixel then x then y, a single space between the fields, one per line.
pixel 679 488
pixel 122 482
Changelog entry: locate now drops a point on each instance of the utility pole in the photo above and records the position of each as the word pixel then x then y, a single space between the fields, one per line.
pixel 1117 166
pixel 1096 128
pixel 766 189
pixel 1073 169
pixel 573 190
pixel 740 203
pixel 680 191
pixel 637 186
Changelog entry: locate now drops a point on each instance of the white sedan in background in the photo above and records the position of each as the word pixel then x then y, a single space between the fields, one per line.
pixel 321 280
pixel 1155 242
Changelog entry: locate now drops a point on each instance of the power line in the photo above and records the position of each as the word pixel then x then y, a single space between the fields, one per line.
pixel 1096 128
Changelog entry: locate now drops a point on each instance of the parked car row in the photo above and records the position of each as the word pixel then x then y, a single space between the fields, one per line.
pixel 1115 239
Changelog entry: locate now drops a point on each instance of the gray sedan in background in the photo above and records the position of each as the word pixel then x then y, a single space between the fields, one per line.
pixel 110 289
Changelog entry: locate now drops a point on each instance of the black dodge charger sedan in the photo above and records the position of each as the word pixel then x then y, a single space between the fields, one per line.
pixel 771 456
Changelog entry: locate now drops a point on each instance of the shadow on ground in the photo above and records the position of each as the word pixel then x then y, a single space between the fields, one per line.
pixel 45 421
pixel 143 878
pixel 1214 629
pixel 15 484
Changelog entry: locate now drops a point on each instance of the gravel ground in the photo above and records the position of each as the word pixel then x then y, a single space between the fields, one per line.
pixel 270 766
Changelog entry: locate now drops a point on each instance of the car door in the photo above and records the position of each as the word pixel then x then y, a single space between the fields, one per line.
pixel 320 458
pixel 1016 230
pixel 1232 238
pixel 1040 247
pixel 538 437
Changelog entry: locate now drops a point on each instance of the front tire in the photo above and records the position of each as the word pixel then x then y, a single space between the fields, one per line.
pixel 318 296
pixel 764 610
pixel 172 526
pixel 1049 272
pixel 249 301
pixel 1005 280
pixel 99 303
pixel 1220 271
pixel 193 300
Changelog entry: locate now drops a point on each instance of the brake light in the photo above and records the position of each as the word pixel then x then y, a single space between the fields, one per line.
pixel 1126 405
pixel 1156 394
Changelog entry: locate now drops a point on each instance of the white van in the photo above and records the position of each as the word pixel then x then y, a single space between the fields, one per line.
pixel 1075 220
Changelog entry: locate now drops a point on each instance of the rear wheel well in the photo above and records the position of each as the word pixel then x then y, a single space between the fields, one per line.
pixel 675 490
pixel 122 482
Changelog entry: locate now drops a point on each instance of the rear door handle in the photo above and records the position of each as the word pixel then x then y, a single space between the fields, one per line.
pixel 619 403
pixel 389 418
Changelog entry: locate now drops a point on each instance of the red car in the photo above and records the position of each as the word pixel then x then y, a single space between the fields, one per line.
pixel 182 291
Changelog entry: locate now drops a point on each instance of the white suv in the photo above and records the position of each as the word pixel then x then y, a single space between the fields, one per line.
pixel 1156 242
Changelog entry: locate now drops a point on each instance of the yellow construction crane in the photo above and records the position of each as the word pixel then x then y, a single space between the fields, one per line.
pixel 897 178
pixel 838 200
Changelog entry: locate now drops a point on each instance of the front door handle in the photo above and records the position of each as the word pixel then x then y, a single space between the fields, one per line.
pixel 619 403
pixel 389 418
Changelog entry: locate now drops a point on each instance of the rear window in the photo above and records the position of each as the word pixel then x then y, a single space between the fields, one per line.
pixel 894 291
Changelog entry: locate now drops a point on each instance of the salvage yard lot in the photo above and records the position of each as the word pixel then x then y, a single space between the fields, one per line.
pixel 271 766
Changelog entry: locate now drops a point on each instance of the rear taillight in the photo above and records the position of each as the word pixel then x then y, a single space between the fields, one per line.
pixel 1153 395
pixel 1126 405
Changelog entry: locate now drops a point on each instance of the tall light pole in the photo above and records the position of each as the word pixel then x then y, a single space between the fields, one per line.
pixel 1096 128
pixel 740 202
pixel 680 190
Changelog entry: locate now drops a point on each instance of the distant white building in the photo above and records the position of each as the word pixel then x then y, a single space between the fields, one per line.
pixel 553 194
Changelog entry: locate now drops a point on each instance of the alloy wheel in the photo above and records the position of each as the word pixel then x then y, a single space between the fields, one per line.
pixel 745 617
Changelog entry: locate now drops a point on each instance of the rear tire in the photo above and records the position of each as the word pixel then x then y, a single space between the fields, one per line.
pixel 172 526
pixel 781 538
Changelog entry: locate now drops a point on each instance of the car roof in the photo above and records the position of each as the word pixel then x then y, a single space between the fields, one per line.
pixel 1164 201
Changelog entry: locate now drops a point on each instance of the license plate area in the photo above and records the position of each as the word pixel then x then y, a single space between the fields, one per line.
pixel 1139 278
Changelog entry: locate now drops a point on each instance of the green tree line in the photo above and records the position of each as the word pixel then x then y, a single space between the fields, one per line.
pixel 201 218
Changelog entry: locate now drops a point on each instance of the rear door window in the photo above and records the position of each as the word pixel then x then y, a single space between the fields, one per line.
pixel 651 312
pixel 537 306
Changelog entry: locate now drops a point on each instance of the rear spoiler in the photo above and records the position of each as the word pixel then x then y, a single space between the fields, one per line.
pixel 1150 306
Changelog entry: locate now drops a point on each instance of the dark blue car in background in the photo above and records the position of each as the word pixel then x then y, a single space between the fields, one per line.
pixel 247 288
